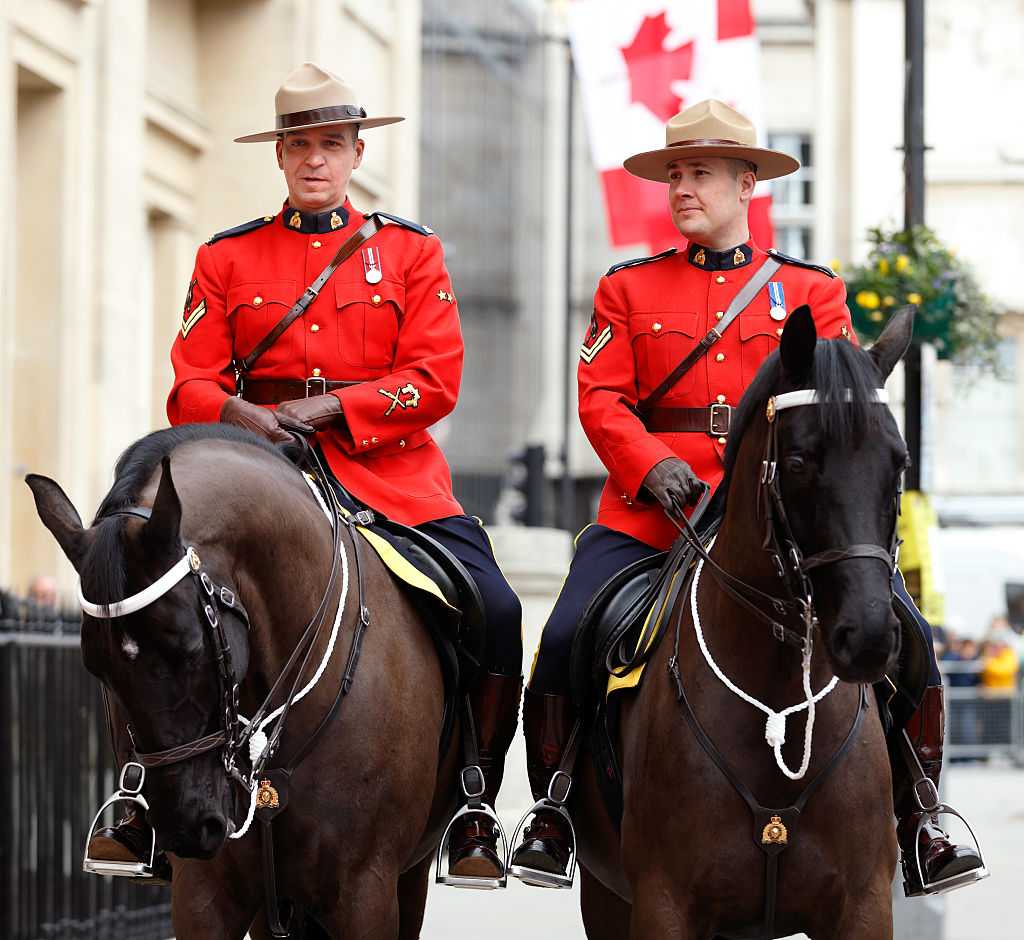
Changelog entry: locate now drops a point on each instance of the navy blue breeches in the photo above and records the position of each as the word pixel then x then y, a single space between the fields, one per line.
pixel 600 553
pixel 466 539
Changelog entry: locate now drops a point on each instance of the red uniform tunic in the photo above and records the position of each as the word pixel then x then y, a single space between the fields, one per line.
pixel 647 316
pixel 399 338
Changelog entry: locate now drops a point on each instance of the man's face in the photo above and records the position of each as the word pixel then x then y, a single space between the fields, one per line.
pixel 707 197
pixel 318 164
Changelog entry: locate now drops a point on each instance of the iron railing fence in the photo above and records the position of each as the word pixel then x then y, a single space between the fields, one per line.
pixel 56 767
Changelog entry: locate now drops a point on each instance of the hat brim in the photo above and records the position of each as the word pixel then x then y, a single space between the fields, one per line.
pixel 364 124
pixel 653 164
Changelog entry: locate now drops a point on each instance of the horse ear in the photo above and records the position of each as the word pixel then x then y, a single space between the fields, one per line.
pixel 60 517
pixel 165 521
pixel 798 341
pixel 894 342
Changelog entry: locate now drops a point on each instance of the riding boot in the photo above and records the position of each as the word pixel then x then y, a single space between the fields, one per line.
pixel 927 849
pixel 547 723
pixel 473 850
pixel 129 841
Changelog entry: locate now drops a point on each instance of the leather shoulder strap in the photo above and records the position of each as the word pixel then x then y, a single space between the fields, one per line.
pixel 367 230
pixel 405 223
pixel 739 303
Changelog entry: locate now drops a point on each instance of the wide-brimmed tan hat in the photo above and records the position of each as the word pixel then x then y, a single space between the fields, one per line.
pixel 710 129
pixel 313 97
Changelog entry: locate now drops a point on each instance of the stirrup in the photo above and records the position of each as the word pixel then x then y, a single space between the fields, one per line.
pixel 555 804
pixel 943 885
pixel 129 790
pixel 472 781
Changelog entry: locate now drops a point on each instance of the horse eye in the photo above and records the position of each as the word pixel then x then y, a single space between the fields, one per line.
pixel 796 464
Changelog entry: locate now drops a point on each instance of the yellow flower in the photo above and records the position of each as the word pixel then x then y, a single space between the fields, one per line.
pixel 867 299
pixel 888 301
pixel 902 263
pixel 876 316
pixel 913 298
pixel 883 265
pixel 835 265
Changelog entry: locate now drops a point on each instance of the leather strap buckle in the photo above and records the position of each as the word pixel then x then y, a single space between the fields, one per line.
pixel 472 780
pixel 559 787
pixel 721 418
pixel 310 381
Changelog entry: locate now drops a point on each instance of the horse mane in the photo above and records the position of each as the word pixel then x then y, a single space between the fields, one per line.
pixel 838 366
pixel 103 567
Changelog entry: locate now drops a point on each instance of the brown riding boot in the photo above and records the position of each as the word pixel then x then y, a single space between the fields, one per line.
pixel 473 849
pixel 944 864
pixel 547 723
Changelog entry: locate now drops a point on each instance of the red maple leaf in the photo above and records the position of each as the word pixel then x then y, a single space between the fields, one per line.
pixel 652 68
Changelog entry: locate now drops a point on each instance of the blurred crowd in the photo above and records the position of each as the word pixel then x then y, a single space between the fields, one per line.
pixel 983 676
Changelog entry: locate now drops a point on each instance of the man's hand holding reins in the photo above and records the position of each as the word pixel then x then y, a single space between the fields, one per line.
pixel 261 421
pixel 316 412
pixel 673 484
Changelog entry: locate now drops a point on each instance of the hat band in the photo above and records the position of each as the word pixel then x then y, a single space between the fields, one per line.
pixel 341 112
pixel 710 142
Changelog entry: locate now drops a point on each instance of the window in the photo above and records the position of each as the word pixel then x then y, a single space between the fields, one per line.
pixel 793 197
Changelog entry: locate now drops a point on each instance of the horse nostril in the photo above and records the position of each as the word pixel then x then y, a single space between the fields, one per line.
pixel 212 832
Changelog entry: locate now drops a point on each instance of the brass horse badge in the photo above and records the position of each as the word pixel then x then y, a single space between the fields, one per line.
pixel 266 796
pixel 775 832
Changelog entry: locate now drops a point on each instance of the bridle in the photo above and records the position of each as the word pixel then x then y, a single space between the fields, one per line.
pixel 792 566
pixel 213 601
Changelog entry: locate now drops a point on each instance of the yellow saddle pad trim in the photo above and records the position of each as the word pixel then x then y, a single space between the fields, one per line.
pixel 401 567
pixel 631 679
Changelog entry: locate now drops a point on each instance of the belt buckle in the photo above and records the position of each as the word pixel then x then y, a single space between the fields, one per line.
pixel 323 385
pixel 721 417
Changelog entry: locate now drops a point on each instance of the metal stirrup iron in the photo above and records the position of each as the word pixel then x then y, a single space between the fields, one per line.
pixel 129 790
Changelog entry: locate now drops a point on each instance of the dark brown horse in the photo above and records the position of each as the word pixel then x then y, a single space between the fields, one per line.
pixel 689 862
pixel 367 806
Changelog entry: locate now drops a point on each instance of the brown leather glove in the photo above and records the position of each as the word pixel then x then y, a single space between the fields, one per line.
pixel 673 484
pixel 253 418
pixel 316 413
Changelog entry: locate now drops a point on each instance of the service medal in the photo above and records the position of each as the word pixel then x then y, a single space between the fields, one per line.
pixel 371 265
pixel 778 299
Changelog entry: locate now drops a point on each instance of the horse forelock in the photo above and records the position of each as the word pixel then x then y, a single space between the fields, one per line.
pixel 103 570
pixel 839 366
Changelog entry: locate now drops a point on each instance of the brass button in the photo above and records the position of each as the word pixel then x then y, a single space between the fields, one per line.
pixel 778 331
pixel 374 440
pixel 316 244
pixel 257 300
pixel 721 399
pixel 366 443
pixel 720 357
pixel 721 441
pixel 656 327
pixel 719 314
pixel 401 443
pixel 316 373
pixel 315 328
pixel 375 298
pixel 268 218
pixel 720 279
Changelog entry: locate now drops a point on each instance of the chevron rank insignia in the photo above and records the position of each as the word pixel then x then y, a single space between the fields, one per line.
pixel 596 340
pixel 194 310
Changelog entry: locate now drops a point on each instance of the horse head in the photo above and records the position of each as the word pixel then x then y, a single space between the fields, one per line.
pixel 827 469
pixel 160 662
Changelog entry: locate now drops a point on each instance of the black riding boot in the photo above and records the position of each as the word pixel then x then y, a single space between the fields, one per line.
pixel 944 864
pixel 473 849
pixel 129 841
pixel 547 723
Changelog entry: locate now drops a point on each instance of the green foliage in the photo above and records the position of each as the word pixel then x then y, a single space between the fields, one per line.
pixel 914 267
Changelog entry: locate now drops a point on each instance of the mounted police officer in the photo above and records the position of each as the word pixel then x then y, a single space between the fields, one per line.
pixel 373 360
pixel 649 314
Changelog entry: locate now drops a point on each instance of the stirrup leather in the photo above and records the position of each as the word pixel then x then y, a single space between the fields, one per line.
pixel 930 806
pixel 554 801
pixel 129 790
pixel 472 782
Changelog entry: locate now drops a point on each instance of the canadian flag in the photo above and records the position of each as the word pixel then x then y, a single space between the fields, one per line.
pixel 641 61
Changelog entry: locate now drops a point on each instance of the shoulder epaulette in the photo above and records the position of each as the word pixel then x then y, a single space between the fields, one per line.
pixel 636 261
pixel 242 229
pixel 405 223
pixel 800 263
